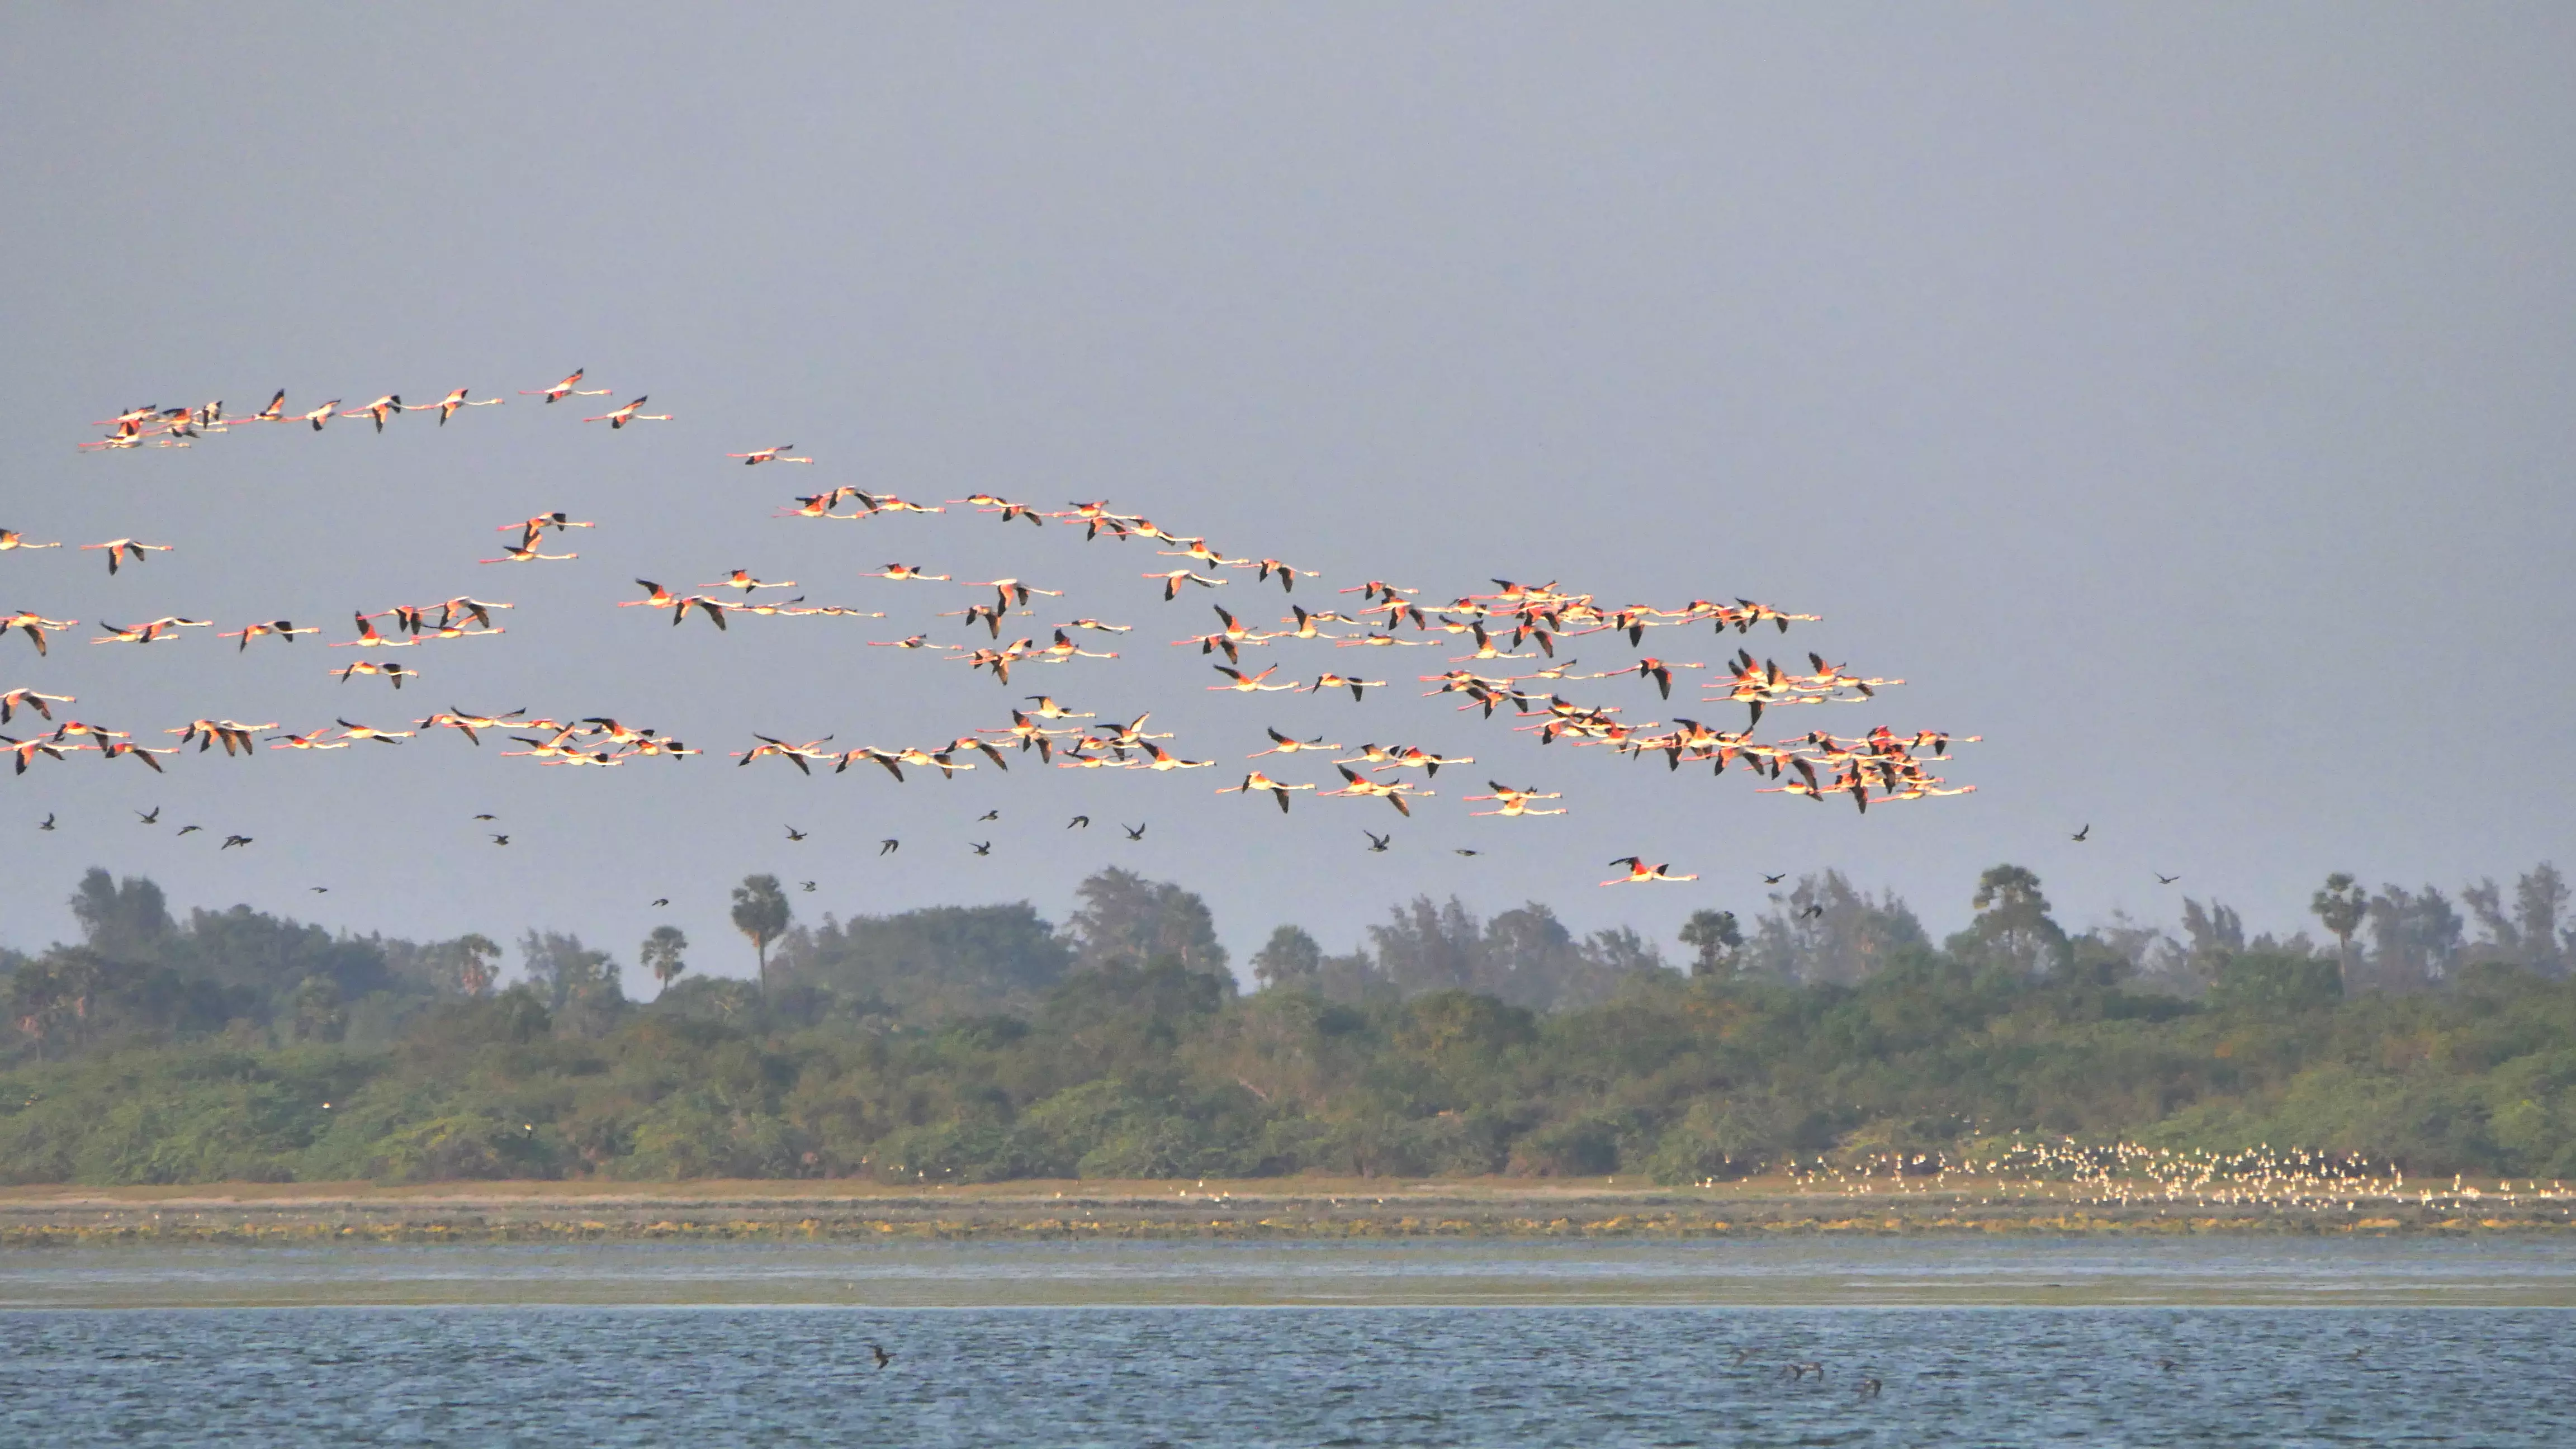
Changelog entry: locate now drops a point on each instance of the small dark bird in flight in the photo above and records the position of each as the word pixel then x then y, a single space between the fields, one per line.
pixel 1811 913
pixel 1869 1388
pixel 184 829
pixel 1462 850
pixel 1378 843
pixel 986 848
pixel 152 819
pixel 500 840
pixel 889 846
pixel 2164 879
pixel 2168 1365
pixel 487 817
pixel 805 885
pixel 883 1357
pixel 988 815
pixel 1775 879
pixel 319 890
pixel 1134 832
pixel 232 840
pixel 661 900
pixel 47 823
pixel 1082 820
pixel 795 834
pixel 2079 836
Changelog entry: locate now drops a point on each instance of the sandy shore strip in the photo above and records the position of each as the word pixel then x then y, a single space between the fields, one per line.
pixel 1276 1209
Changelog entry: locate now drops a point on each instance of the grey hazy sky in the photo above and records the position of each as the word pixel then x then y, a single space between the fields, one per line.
pixel 2178 396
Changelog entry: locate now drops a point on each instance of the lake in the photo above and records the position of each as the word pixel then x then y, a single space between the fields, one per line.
pixel 2018 1342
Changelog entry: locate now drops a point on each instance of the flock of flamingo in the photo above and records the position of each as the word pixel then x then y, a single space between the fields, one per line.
pixel 1516 646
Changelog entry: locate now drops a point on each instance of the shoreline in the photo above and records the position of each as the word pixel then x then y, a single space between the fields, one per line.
pixel 1272 1210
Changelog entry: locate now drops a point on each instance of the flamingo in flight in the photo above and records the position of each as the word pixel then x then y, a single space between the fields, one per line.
pixel 448 405
pixel 119 548
pixel 569 387
pixel 1259 781
pixel 380 409
pixel 1640 873
pixel 37 626
pixel 620 416
pixel 24 698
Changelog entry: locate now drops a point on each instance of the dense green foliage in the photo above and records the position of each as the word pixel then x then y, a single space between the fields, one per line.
pixel 960 1044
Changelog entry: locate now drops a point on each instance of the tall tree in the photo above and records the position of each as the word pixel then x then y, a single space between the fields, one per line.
pixel 661 954
pixel 2414 937
pixel 761 912
pixel 1424 947
pixel 1125 917
pixel 934 963
pixel 2527 932
pixel 2340 908
pixel 1715 938
pixel 1290 958
pixel 579 986
pixel 35 1002
pixel 125 920
pixel 316 1011
pixel 2540 899
pixel 478 962
pixel 1528 958
pixel 2216 935
pixel 1826 929
pixel 2012 926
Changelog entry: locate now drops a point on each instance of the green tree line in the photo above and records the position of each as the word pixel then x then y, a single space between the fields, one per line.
pixel 982 1043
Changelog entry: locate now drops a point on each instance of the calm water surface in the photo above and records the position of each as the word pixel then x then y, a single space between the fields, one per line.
pixel 1614 1359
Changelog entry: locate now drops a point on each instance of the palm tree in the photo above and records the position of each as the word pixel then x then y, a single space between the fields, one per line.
pixel 760 911
pixel 2342 906
pixel 661 954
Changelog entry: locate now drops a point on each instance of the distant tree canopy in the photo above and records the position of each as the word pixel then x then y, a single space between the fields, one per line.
pixel 968 1043
pixel 1126 917
pixel 935 963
